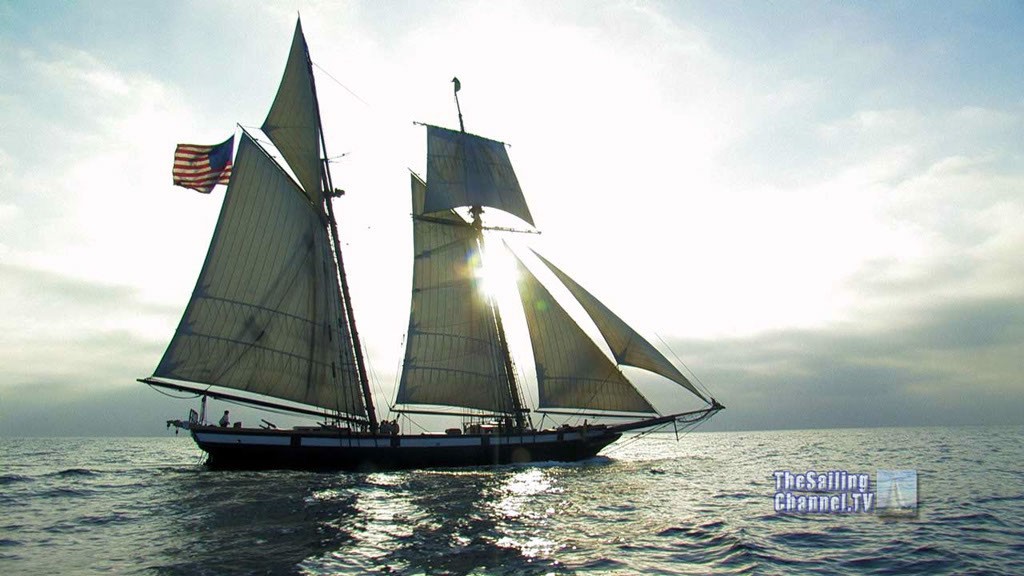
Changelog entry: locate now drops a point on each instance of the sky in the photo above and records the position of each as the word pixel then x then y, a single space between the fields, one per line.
pixel 817 207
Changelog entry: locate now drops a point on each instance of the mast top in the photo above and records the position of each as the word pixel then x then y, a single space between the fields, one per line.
pixel 458 86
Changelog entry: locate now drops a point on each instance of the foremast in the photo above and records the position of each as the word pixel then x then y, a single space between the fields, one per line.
pixel 328 192
pixel 271 313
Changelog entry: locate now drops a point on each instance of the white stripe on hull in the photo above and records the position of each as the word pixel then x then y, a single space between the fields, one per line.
pixel 346 442
pixel 438 442
pixel 219 438
pixel 285 439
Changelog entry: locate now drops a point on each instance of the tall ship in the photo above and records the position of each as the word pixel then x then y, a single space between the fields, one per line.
pixel 270 322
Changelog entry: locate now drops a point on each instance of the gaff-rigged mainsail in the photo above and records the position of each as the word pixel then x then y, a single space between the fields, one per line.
pixel 265 315
pixel 452 356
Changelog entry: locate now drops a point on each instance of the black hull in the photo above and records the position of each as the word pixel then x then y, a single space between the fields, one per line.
pixel 255 449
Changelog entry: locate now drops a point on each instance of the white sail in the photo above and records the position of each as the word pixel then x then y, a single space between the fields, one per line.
pixel 452 355
pixel 468 170
pixel 628 347
pixel 293 124
pixel 265 315
pixel 572 372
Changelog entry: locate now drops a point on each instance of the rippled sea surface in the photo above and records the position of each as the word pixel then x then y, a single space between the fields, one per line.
pixel 647 505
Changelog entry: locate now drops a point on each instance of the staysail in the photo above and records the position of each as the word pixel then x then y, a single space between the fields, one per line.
pixel 572 372
pixel 452 355
pixel 468 170
pixel 266 314
pixel 293 123
pixel 628 347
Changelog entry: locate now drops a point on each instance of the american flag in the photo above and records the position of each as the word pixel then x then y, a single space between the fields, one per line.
pixel 203 167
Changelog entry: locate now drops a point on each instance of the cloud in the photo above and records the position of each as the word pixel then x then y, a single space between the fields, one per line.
pixel 70 350
pixel 49 408
pixel 58 327
pixel 957 362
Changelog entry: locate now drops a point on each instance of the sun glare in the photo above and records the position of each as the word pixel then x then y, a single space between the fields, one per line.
pixel 496 271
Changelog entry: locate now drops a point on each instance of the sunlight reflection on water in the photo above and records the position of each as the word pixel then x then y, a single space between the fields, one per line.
pixel 702 505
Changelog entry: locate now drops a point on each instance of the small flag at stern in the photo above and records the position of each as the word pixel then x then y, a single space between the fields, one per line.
pixel 203 167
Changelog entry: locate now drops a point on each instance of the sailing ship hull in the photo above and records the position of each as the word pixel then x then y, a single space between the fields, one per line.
pixel 255 448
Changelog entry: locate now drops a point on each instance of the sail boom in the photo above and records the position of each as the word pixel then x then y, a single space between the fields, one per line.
pixel 485 414
pixel 452 222
pixel 443 221
pixel 251 401
pixel 595 414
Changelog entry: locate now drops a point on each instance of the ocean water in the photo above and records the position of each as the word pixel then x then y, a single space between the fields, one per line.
pixel 651 505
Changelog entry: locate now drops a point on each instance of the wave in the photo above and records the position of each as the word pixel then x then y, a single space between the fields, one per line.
pixel 987 499
pixel 74 472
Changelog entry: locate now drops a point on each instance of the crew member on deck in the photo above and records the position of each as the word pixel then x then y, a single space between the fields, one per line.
pixel 224 420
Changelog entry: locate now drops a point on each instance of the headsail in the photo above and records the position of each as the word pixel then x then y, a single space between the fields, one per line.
pixel 293 123
pixel 572 372
pixel 468 170
pixel 452 355
pixel 628 347
pixel 265 315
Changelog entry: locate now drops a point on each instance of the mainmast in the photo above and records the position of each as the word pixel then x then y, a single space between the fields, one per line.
pixel 506 356
pixel 510 375
pixel 328 192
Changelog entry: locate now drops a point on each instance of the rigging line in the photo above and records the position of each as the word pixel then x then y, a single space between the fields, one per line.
pixel 169 395
pixel 607 380
pixel 527 391
pixel 678 359
pixel 411 422
pixel 379 391
pixel 636 438
pixel 398 376
pixel 623 444
pixel 338 82
pixel 682 428
pixel 264 142
pixel 279 411
pixel 260 140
